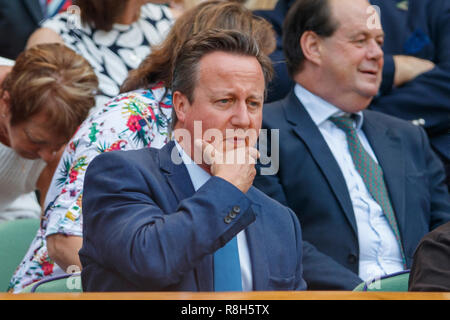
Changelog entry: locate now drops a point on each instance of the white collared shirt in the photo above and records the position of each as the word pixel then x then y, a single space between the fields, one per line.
pixel 199 177
pixel 379 252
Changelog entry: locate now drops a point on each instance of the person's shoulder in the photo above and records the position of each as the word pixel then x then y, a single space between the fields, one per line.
pixel 275 109
pixel 136 101
pixel 390 121
pixel 143 157
pixel 440 233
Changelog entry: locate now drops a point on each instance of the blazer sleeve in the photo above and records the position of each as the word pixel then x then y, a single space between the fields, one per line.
pixel 125 230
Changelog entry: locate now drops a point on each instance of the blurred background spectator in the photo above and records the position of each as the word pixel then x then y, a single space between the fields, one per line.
pixel 113 35
pixel 19 18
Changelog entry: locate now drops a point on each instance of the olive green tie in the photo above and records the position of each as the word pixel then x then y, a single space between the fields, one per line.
pixel 371 173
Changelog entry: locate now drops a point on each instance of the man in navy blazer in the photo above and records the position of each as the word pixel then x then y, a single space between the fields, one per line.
pixel 416 72
pixel 336 60
pixel 153 219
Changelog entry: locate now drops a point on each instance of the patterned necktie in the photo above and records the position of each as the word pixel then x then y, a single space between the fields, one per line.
pixel 227 269
pixel 371 173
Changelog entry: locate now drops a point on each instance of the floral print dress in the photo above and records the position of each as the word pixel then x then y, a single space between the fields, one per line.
pixel 133 120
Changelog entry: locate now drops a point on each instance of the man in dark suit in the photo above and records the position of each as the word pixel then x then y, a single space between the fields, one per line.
pixel 416 72
pixel 365 186
pixel 154 220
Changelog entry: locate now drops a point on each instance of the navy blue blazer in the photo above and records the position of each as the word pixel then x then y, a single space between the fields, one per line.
pixel 145 229
pixel 310 182
pixel 422 31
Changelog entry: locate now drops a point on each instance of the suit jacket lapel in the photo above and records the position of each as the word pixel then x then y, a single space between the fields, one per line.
pixel 176 174
pixel 34 8
pixel 181 185
pixel 389 151
pixel 308 132
pixel 260 266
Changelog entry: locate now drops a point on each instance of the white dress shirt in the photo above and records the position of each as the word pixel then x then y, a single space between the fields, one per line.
pixel 379 252
pixel 199 177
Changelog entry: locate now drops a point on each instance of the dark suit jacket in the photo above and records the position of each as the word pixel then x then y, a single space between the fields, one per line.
pixel 431 267
pixel 310 182
pixel 422 31
pixel 18 19
pixel 146 229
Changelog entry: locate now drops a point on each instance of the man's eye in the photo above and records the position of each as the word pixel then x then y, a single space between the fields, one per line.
pixel 254 104
pixel 224 101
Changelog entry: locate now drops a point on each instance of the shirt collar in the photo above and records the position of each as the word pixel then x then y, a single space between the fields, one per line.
pixel 321 110
pixel 198 176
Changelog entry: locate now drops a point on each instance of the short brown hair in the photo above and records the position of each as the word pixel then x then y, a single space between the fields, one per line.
pixel 305 15
pixel 54 79
pixel 101 14
pixel 185 75
pixel 158 66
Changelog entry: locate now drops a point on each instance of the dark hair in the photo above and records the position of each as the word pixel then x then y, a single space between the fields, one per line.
pixel 305 15
pixel 158 65
pixel 185 74
pixel 101 14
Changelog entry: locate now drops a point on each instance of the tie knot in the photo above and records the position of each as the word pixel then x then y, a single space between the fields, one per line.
pixel 343 123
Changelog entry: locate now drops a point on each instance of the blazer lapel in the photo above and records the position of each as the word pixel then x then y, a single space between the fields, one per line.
pixel 181 185
pixel 254 233
pixel 389 151
pixel 176 174
pixel 308 132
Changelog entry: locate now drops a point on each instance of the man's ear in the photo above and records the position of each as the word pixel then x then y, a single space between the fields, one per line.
pixel 181 105
pixel 310 44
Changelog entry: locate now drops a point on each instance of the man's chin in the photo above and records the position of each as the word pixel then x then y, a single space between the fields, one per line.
pixel 370 90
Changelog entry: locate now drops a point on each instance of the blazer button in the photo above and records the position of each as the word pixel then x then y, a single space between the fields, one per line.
pixel 352 259
pixel 236 209
pixel 232 215
pixel 227 220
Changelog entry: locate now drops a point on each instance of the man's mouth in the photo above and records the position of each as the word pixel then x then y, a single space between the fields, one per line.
pixel 372 72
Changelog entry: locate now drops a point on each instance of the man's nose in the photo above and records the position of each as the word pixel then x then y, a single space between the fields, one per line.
pixel 240 117
pixel 374 50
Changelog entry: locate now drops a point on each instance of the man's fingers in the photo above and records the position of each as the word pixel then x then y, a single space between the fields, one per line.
pixel 207 149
